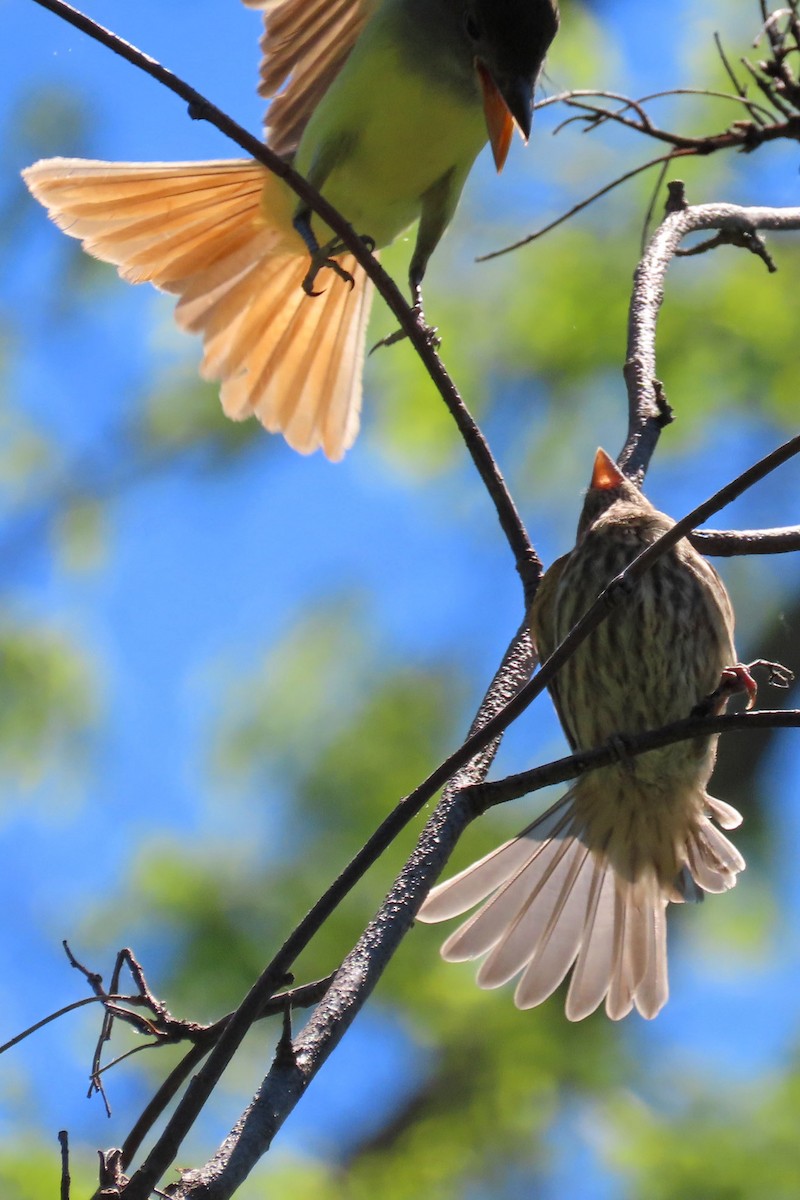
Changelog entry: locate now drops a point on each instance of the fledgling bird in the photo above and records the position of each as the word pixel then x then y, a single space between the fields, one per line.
pixel 586 885
pixel 387 104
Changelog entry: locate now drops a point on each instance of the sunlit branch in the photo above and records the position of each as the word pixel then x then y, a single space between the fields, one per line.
pixel 648 410
pixel 726 543
pixel 486 795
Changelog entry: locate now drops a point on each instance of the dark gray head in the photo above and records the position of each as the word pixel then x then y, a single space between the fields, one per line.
pixel 510 39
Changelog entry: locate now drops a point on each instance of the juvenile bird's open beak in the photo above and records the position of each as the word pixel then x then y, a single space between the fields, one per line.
pixel 504 108
pixel 606 474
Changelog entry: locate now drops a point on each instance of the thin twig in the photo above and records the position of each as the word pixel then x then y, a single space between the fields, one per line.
pixel 578 94
pixel 55 1016
pixel 756 109
pixel 579 207
pixel 485 795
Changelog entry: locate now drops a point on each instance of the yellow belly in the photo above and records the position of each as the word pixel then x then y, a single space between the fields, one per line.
pixel 392 133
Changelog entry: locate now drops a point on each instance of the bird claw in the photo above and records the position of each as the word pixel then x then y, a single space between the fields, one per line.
pixel 324 257
pixel 429 332
pixel 320 260
pixel 739 678
pixel 734 679
pixel 619 745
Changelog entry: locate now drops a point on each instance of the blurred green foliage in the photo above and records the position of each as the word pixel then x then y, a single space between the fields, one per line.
pixel 46 704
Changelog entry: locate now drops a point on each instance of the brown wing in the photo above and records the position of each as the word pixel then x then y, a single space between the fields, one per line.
pixel 542 621
pixel 305 42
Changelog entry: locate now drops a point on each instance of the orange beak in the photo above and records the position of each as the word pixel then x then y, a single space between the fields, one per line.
pixel 499 118
pixel 606 474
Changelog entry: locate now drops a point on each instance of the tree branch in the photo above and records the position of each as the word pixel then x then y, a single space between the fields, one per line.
pixel 725 543
pixel 648 410
pixel 487 795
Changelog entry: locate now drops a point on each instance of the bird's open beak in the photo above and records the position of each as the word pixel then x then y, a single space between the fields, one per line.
pixel 606 474
pixel 504 108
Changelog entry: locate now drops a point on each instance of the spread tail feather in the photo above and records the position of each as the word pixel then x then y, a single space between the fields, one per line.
pixel 552 902
pixel 219 235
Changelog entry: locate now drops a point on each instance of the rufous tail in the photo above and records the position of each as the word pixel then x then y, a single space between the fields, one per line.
pixel 219 235
pixel 555 903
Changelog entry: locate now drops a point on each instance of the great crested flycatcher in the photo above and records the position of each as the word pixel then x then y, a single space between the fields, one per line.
pixel 387 104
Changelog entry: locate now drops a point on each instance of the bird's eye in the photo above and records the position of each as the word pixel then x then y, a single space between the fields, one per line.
pixel 472 27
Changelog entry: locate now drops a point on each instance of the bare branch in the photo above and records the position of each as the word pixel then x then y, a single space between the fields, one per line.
pixel 647 410
pixel 487 795
pixel 66 1182
pixel 725 543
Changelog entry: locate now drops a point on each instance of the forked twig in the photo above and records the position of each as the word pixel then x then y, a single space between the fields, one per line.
pixel 648 410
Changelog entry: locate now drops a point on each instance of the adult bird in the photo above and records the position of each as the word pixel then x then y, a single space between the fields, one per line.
pixel 384 108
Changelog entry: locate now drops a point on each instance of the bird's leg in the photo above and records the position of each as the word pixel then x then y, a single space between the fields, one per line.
pixel 438 206
pixel 430 332
pixel 739 678
pixel 323 256
pixel 734 679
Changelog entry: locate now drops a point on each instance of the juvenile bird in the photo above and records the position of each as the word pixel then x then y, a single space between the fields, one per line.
pixel 586 885
pixel 387 104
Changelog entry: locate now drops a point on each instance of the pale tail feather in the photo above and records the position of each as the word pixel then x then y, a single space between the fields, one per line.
pixel 713 860
pixel 543 906
pixel 724 814
pixel 219 235
pixel 594 965
pixel 551 903
pixel 653 991
pixel 460 893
